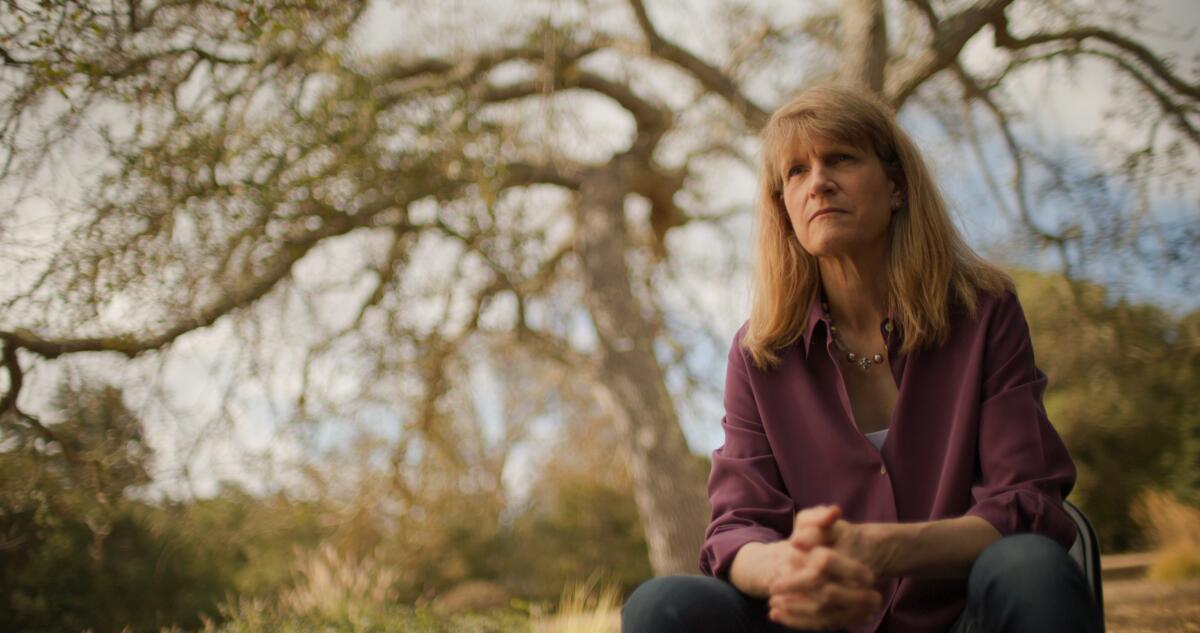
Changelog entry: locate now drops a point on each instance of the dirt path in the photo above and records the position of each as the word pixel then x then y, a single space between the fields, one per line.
pixel 1144 606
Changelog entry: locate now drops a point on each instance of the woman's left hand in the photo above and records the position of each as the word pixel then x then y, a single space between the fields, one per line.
pixel 865 542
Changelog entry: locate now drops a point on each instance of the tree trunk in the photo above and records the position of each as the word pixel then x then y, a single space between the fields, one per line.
pixel 864 44
pixel 668 486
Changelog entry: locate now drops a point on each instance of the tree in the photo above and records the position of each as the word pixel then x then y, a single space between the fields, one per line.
pixel 76 552
pixel 1122 382
pixel 403 217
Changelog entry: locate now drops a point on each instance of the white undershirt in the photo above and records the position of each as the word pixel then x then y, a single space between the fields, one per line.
pixel 877 438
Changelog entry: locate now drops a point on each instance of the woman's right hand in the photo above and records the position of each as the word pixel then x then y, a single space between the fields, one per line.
pixel 821 588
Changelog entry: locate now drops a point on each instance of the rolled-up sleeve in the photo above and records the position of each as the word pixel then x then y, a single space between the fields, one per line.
pixel 749 500
pixel 1025 471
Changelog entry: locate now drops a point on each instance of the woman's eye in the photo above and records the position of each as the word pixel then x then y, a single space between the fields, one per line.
pixel 841 157
pixel 796 170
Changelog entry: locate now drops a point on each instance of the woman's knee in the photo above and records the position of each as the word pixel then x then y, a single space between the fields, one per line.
pixel 1028 582
pixel 683 603
pixel 1021 563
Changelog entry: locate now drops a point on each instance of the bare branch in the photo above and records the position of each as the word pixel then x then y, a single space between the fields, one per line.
pixel 1156 65
pixel 558 350
pixel 708 75
pixel 1169 107
pixel 8 404
pixel 973 91
pixel 9 60
pixel 652 120
pixel 565 174
pixel 15 377
pixel 238 296
pixel 472 69
pixel 949 37
pixel 924 8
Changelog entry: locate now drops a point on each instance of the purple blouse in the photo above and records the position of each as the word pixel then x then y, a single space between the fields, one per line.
pixel 968 436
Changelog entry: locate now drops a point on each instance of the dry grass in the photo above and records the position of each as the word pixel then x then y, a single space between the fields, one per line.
pixel 1174 528
pixel 329 584
pixel 588 607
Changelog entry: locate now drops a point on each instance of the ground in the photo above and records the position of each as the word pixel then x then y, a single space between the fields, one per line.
pixel 1138 605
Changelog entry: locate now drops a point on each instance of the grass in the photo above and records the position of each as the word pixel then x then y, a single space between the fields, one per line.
pixel 588 607
pixel 333 594
pixel 1174 528
pixel 1137 605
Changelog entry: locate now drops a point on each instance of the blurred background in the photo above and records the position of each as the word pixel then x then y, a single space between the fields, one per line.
pixel 413 316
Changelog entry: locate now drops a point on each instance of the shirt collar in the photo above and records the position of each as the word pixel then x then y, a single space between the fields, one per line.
pixel 816 316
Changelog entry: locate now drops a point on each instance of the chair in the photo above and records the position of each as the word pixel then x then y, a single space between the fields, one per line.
pixel 1086 551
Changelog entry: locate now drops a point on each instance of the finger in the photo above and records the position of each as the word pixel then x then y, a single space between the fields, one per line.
pixel 845 617
pixel 808 571
pixel 831 600
pixel 839 620
pixel 807 537
pixel 820 516
pixel 827 598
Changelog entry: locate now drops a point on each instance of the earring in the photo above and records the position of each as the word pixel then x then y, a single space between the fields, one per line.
pixel 897 202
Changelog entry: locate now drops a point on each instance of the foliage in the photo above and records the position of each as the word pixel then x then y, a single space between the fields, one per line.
pixel 591 528
pixel 1122 393
pixel 77 553
pixel 581 523
pixel 252 540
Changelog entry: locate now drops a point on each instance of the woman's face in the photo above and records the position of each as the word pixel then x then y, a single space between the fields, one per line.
pixel 838 198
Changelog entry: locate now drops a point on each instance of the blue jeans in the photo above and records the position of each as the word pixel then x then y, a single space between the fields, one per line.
pixel 1024 582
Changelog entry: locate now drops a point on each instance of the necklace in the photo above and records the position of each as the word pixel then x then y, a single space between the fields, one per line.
pixel 862 361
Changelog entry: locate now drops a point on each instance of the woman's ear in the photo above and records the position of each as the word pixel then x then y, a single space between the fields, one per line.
pixel 781 209
pixel 898 197
pixel 897 202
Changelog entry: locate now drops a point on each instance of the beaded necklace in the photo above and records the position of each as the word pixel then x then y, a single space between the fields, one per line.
pixel 862 361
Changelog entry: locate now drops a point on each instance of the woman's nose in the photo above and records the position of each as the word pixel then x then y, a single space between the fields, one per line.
pixel 819 181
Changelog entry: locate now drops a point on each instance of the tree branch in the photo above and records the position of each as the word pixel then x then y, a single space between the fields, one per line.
pixel 972 90
pixel 949 37
pixel 652 121
pixel 8 404
pixel 239 296
pixel 519 174
pixel 924 8
pixel 708 75
pixel 1169 107
pixel 469 69
pixel 1139 52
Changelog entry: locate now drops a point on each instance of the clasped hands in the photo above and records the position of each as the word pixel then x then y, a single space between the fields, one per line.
pixel 824 579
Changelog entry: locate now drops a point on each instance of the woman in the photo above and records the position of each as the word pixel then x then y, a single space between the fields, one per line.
pixel 888 464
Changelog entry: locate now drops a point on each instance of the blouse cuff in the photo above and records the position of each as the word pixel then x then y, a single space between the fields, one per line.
pixel 716 557
pixel 1018 511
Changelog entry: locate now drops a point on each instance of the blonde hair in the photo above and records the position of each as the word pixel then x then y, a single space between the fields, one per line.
pixel 930 264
